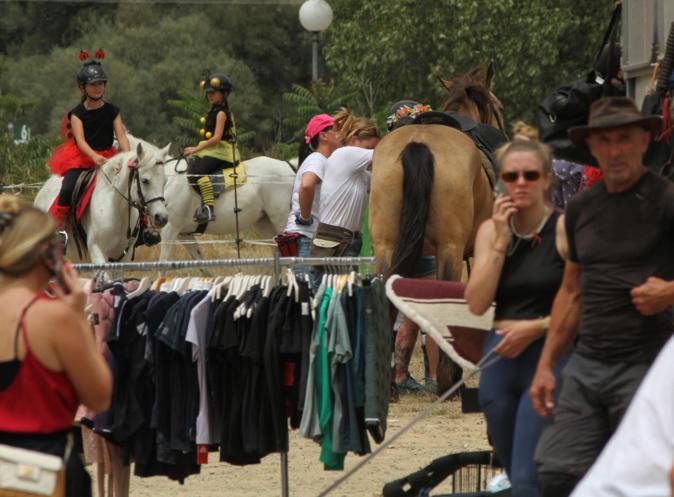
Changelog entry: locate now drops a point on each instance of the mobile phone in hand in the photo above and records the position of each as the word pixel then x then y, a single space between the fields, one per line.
pixel 54 259
pixel 500 189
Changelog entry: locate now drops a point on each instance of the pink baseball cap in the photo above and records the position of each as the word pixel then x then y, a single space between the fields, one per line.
pixel 317 124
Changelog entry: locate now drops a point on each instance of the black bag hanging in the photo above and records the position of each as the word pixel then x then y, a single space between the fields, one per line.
pixel 569 105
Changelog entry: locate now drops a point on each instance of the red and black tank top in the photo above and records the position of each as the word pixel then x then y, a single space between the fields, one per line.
pixel 33 399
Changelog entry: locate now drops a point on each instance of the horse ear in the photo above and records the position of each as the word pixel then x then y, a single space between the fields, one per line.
pixel 165 151
pixel 139 150
pixel 490 75
pixel 446 83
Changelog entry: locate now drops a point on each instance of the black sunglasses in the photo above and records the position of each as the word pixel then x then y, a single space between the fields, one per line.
pixel 512 176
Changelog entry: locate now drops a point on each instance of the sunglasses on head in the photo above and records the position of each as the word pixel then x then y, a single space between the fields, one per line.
pixel 512 176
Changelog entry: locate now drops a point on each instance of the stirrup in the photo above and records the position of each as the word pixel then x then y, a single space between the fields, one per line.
pixel 63 238
pixel 204 214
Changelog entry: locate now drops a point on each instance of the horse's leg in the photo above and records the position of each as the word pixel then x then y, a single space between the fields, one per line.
pixel 192 246
pixel 169 235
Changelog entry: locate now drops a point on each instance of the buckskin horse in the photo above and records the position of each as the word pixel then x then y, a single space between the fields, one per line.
pixel 430 191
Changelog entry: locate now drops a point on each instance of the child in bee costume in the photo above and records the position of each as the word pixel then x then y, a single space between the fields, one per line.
pixel 218 150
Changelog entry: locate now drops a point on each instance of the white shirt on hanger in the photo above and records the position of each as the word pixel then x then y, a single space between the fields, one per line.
pixel 196 335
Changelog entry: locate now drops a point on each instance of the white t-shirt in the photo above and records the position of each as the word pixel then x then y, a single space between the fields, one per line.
pixel 637 460
pixel 345 187
pixel 314 163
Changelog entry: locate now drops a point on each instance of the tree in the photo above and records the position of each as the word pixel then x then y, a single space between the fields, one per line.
pixel 304 103
pixel 400 47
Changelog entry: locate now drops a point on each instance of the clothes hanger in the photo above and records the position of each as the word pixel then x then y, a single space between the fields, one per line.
pixel 183 286
pixel 143 287
pixel 156 285
pixel 267 286
pixel 353 275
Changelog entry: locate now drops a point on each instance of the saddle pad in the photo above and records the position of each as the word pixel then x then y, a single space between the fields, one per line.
pixel 85 197
pixel 441 311
pixel 240 170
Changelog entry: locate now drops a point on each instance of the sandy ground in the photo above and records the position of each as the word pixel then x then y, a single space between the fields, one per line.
pixel 445 431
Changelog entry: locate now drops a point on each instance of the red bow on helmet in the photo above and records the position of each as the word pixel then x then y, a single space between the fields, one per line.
pixel 84 54
pixel 100 54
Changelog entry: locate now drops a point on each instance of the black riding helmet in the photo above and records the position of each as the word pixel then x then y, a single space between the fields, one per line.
pixel 91 72
pixel 392 123
pixel 216 82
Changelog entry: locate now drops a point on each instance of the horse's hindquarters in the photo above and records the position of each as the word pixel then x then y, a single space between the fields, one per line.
pixel 456 195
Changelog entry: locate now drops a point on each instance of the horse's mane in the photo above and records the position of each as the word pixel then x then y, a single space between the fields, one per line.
pixel 119 159
pixel 470 87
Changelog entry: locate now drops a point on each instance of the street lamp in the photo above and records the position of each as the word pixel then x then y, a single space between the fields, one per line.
pixel 315 16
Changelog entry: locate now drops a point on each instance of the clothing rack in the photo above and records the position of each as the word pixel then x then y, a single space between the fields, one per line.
pixel 276 262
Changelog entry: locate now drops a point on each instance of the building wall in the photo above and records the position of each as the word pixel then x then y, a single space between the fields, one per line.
pixel 644 22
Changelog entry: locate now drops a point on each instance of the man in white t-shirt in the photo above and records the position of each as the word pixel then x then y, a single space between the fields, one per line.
pixel 303 218
pixel 344 192
pixel 638 459
pixel 345 188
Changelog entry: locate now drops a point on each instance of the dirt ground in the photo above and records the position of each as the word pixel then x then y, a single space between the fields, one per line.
pixel 445 431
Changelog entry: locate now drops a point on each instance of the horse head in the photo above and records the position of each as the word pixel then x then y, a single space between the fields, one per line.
pixel 150 181
pixel 471 94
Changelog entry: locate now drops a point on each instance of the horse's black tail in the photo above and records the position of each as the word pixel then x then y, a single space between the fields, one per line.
pixel 418 168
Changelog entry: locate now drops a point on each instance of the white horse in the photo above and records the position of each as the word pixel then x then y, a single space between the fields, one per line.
pixel 126 185
pixel 263 200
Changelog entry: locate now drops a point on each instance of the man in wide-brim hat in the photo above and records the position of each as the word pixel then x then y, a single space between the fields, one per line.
pixel 616 118
pixel 614 302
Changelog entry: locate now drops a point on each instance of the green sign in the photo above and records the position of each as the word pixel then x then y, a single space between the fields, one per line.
pixel 21 133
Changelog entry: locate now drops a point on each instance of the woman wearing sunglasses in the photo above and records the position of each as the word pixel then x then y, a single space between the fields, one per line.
pixel 518 263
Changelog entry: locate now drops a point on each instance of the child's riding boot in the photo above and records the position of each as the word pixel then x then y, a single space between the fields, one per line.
pixel 60 213
pixel 206 211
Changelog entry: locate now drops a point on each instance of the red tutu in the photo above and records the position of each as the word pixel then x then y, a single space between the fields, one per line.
pixel 69 156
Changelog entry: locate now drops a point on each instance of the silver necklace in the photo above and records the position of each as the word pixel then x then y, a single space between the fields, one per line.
pixel 518 237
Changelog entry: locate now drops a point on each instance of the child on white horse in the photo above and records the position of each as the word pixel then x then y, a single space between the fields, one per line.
pixel 218 151
pixel 88 132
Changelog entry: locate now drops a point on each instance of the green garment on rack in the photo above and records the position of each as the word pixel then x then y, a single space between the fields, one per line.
pixel 330 459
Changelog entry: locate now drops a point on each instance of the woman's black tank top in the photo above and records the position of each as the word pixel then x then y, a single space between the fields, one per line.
pixel 530 277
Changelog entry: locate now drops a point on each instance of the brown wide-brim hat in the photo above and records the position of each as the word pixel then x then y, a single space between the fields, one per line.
pixel 613 112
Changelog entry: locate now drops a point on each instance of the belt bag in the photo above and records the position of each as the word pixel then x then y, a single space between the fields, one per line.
pixel 25 473
pixel 331 241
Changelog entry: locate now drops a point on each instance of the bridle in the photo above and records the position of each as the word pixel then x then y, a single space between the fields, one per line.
pixel 141 205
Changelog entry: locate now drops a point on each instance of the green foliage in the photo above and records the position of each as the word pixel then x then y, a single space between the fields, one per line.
pixel 375 53
pixel 397 49
pixel 304 103
pixel 26 162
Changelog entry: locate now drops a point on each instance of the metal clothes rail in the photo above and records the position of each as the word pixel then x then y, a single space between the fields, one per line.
pixel 276 262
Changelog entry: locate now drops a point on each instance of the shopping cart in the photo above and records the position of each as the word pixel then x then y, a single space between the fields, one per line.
pixel 468 474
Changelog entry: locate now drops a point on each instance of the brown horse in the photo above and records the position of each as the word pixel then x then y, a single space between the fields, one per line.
pixel 429 190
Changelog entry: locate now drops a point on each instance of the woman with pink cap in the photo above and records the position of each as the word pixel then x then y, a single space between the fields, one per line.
pixel 320 141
